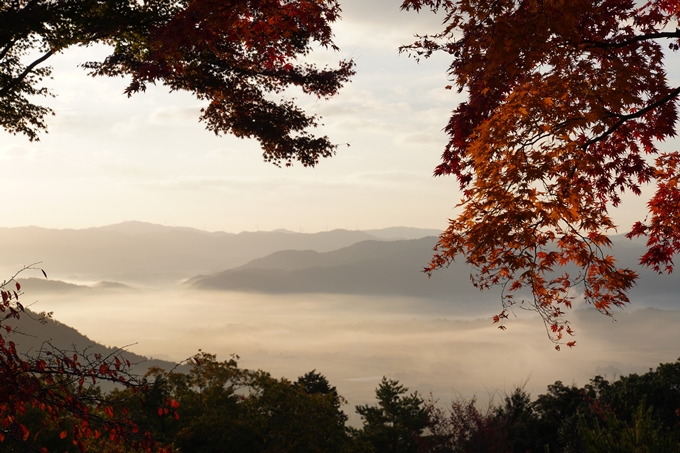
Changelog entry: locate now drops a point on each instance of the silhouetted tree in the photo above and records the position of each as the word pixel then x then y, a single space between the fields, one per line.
pixel 396 423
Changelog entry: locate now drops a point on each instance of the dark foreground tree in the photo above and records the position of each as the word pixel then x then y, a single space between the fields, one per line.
pixel 222 407
pixel 396 423
pixel 643 434
pixel 636 413
pixel 464 428
pixel 237 55
pixel 567 103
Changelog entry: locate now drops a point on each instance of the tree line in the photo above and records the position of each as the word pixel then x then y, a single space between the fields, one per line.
pixel 220 407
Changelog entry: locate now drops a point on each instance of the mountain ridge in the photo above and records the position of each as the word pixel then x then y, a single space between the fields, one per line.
pixel 143 253
pixel 370 267
pixel 394 268
pixel 35 336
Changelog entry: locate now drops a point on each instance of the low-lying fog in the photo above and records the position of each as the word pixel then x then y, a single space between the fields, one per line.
pixel 355 340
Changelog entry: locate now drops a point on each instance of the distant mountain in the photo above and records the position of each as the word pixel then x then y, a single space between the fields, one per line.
pixel 135 227
pixel 44 286
pixel 145 253
pixel 114 286
pixel 50 286
pixel 401 233
pixel 370 267
pixel 136 252
pixel 393 268
pixel 656 290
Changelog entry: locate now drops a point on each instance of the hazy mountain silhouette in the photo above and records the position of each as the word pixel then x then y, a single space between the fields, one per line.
pixel 136 227
pixel 658 290
pixel 50 286
pixel 395 269
pixel 337 261
pixel 369 267
pixel 147 253
pixel 402 233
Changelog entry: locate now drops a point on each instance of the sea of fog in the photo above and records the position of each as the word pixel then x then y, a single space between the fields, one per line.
pixel 432 347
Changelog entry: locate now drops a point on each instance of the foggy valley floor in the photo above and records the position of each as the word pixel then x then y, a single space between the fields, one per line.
pixel 432 347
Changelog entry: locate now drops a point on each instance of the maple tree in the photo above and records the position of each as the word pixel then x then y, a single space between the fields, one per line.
pixel 465 428
pixel 567 103
pixel 235 54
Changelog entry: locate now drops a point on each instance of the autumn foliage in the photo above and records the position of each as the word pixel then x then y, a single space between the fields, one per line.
pixel 567 103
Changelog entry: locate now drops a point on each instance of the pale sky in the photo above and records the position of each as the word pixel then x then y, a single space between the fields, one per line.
pixel 108 158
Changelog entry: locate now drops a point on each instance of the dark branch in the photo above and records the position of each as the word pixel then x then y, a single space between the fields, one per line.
pixel 7 48
pixel 624 118
pixel 25 73
pixel 633 40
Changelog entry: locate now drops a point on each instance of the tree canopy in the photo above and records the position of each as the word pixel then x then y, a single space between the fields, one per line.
pixel 237 55
pixel 567 103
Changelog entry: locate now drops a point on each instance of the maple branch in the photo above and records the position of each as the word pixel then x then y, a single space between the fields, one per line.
pixel 22 76
pixel 633 40
pixel 624 118
pixel 11 435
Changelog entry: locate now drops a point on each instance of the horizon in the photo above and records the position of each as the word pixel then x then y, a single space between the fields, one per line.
pixel 124 222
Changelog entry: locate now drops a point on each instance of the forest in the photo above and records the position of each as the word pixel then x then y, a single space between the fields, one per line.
pixel 219 407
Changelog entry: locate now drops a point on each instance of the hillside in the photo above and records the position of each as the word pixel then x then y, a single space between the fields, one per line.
pixel 30 336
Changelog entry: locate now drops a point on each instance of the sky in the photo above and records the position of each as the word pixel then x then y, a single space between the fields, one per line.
pixel 108 158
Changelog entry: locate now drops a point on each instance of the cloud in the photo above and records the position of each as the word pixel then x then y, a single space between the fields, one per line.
pixel 196 184
pixel 365 379
pixel 355 340
pixel 381 24
pixel 13 151
pixel 421 138
pixel 398 177
pixel 360 103
pixel 175 115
